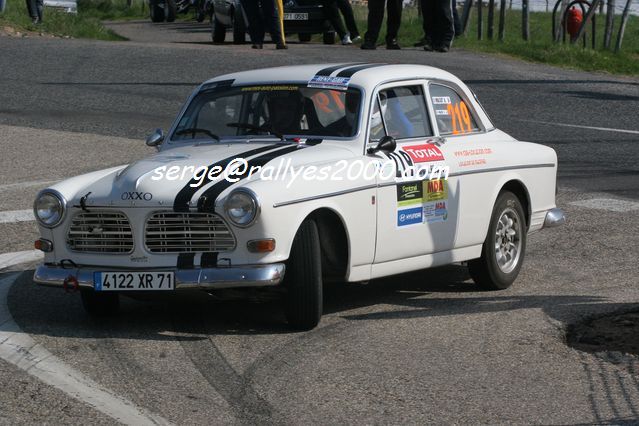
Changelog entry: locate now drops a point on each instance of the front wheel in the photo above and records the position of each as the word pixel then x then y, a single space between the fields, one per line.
pixel 328 37
pixel 503 251
pixel 218 30
pixel 303 279
pixel 99 304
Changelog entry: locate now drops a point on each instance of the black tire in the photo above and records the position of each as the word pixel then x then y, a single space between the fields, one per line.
pixel 486 271
pixel 170 10
pixel 303 279
pixel 156 12
pixel 218 30
pixel 239 27
pixel 304 38
pixel 100 304
pixel 328 37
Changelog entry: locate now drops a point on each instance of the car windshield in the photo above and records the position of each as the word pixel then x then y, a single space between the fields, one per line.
pixel 276 110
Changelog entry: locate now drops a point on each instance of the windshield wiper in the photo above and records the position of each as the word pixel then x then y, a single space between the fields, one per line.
pixel 195 130
pixel 262 128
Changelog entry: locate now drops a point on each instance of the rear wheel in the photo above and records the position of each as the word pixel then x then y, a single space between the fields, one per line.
pixel 239 27
pixel 171 10
pixel 303 279
pixel 218 30
pixel 503 251
pixel 156 11
pixel 328 37
pixel 304 38
pixel 99 304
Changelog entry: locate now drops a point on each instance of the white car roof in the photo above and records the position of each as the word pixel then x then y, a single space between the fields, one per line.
pixel 364 75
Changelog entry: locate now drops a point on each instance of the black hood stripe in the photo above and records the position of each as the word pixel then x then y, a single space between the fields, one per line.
pixel 207 200
pixel 183 199
pixel 330 70
pixel 348 72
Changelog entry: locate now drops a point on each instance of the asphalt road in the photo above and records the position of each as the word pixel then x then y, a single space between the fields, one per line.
pixel 425 347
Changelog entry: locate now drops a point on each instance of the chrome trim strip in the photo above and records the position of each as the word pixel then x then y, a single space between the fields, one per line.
pixel 318 197
pixel 393 183
pixel 500 169
pixel 207 278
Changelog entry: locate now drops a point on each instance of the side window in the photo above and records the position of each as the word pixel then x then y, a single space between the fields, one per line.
pixel 403 114
pixel 452 113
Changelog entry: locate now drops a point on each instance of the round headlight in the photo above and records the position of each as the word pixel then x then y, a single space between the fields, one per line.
pixel 241 207
pixel 48 209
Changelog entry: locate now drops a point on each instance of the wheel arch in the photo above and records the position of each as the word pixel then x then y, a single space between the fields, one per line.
pixel 334 243
pixel 518 188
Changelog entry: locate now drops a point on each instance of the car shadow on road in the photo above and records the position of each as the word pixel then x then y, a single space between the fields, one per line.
pixel 439 292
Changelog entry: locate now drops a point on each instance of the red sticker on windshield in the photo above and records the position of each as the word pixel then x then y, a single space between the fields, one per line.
pixel 424 153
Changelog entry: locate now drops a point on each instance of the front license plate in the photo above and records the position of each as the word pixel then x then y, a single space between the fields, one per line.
pixel 134 281
pixel 296 16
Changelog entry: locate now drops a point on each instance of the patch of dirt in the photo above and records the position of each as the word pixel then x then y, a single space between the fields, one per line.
pixel 617 332
pixel 9 31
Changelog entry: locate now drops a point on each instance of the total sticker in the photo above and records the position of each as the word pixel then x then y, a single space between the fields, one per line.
pixel 424 153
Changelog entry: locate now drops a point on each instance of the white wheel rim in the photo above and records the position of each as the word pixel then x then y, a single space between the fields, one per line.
pixel 508 240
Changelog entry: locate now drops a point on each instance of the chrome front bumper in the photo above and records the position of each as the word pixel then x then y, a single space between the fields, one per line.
pixel 207 278
pixel 554 217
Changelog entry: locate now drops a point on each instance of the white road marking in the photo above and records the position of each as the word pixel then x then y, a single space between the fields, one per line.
pixel 21 350
pixel 30 184
pixel 603 129
pixel 610 204
pixel 10 259
pixel 13 216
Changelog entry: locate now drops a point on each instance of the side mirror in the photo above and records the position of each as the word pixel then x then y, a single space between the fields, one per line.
pixel 386 143
pixel 155 138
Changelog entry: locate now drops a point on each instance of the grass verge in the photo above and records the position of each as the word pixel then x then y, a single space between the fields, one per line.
pixel 540 47
pixel 86 24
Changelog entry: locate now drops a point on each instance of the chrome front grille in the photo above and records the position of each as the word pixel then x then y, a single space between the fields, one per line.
pixel 100 232
pixel 171 232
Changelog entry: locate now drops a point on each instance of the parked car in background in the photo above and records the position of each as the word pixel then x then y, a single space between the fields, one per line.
pixel 302 17
pixel 68 6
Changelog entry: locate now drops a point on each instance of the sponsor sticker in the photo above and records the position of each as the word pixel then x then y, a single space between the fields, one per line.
pixel 328 82
pixel 409 194
pixel 441 100
pixel 435 190
pixel 424 153
pixel 268 88
pixel 410 216
pixel 441 112
pixel 436 211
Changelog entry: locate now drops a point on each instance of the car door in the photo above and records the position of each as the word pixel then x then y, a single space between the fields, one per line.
pixel 415 214
pixel 468 148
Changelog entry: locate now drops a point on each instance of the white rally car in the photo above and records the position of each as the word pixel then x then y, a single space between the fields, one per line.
pixel 296 176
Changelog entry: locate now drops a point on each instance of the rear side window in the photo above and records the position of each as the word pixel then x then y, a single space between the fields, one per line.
pixel 454 116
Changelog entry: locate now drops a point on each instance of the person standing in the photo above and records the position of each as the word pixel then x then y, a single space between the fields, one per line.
pixel 264 15
pixel 349 19
pixel 438 26
pixel 375 18
pixel 35 7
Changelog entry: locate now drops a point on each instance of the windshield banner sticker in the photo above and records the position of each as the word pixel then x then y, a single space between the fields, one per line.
pixel 328 82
